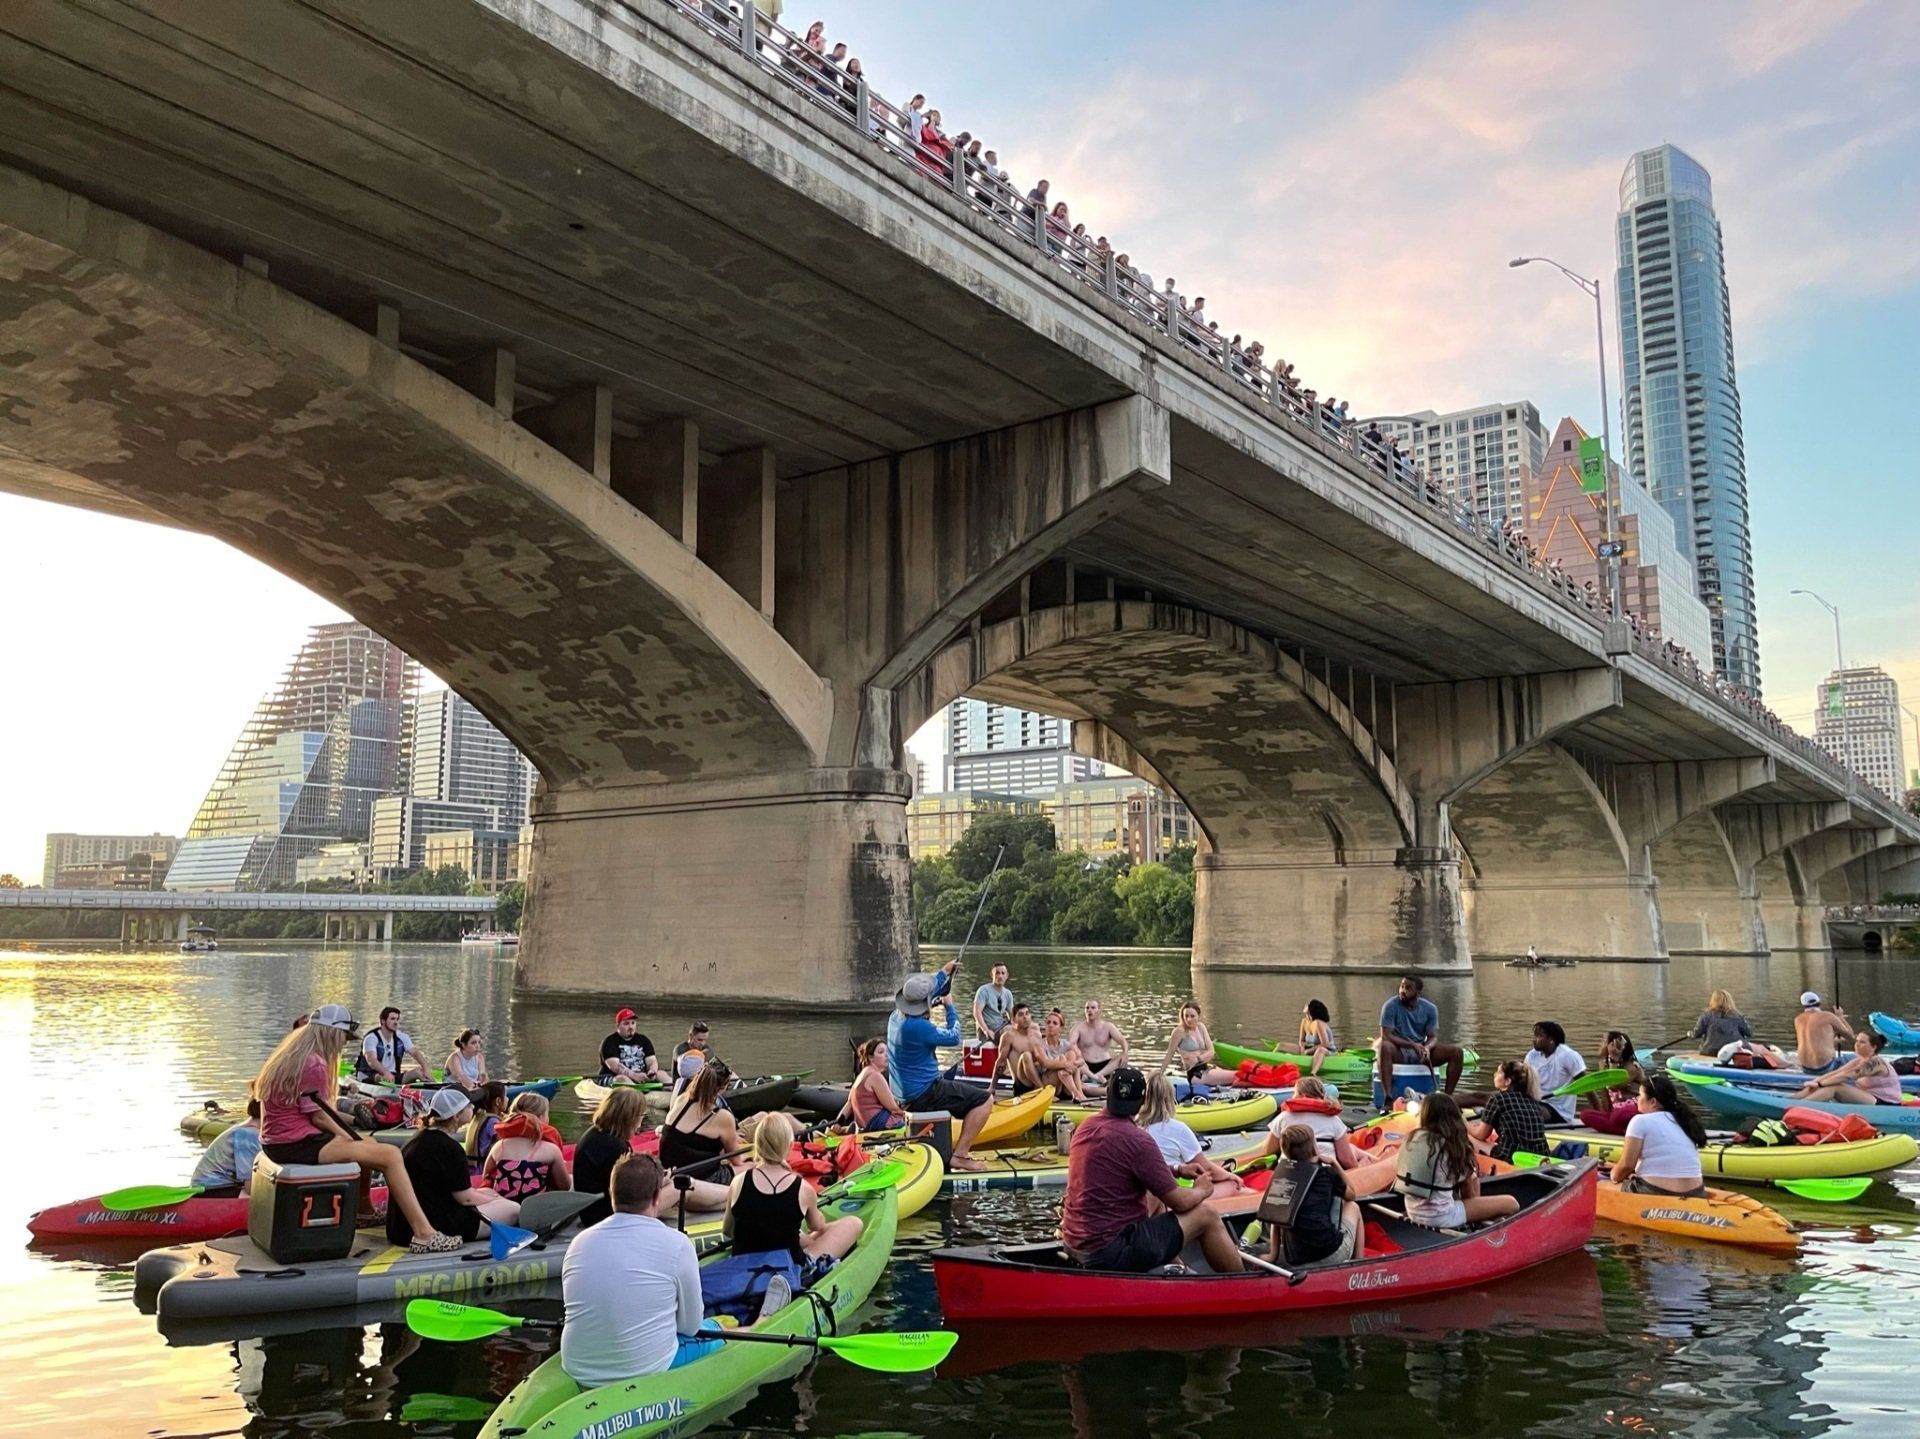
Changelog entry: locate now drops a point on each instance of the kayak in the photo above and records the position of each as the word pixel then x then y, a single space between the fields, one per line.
pixel 1763 1078
pixel 223 1278
pixel 1898 1033
pixel 368 1089
pixel 743 1096
pixel 1341 1067
pixel 548 1402
pixel 1403 1260
pixel 1046 1168
pixel 1719 1216
pixel 1233 1109
pixel 1744 1099
pixel 1012 1117
pixel 1732 1159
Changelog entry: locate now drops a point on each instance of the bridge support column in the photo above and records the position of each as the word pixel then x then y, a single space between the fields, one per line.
pixel 1708 903
pixel 386 929
pixel 772 888
pixel 1761 837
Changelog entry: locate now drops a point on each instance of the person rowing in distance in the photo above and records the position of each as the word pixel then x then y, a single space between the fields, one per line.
pixel 626 1055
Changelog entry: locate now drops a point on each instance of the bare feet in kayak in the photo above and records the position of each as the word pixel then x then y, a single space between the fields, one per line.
pixel 966 1164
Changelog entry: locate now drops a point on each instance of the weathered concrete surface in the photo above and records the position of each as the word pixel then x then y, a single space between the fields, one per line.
pixel 1707 904
pixel 783 888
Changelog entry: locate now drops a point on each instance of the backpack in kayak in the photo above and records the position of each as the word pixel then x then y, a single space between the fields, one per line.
pixel 737 1283
pixel 1750 1059
pixel 1765 1132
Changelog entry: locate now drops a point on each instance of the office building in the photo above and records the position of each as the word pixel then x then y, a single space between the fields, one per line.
pixel 1118 815
pixel 1857 717
pixel 76 851
pixel 402 824
pixel 1566 527
pixel 145 870
pixel 486 855
pixel 1480 456
pixel 343 863
pixel 935 822
pixel 1681 403
pixel 998 748
pixel 456 754
pixel 317 752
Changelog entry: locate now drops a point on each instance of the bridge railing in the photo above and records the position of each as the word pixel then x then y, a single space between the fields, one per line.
pixel 1274 391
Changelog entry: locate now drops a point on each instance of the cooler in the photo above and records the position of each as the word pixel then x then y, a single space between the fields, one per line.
pixel 977 1058
pixel 935 1127
pixel 302 1212
pixel 1416 1077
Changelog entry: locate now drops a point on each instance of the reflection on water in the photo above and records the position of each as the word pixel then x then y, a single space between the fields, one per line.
pixel 102 1053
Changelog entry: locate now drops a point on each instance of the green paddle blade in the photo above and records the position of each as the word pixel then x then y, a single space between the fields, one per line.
pixel 1524 1160
pixel 1827 1191
pixel 1703 1080
pixel 872 1178
pixel 444 1409
pixel 893 1353
pixel 454 1323
pixel 148 1196
pixel 1588 1083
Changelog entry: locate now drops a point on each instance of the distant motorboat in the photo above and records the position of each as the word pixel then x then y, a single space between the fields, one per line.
pixel 200 940
pixel 490 939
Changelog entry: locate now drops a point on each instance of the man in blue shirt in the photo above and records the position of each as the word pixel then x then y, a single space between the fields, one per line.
pixel 1410 1034
pixel 913 1063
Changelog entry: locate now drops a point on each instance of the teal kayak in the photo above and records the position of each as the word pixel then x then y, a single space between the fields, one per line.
pixel 1743 1099
pixel 1899 1034
pixel 548 1402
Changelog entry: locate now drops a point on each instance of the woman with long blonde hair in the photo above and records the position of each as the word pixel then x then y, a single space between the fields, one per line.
pixel 770 1209
pixel 1721 1025
pixel 296 1127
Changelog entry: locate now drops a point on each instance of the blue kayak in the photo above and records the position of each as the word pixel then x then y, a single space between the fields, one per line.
pixel 1762 1078
pixel 1899 1034
pixel 1743 1099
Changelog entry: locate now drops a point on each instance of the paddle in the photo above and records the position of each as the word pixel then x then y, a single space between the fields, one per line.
pixel 1587 1083
pixel 870 1178
pixel 1826 1191
pixel 148 1196
pixel 907 1353
pixel 444 1409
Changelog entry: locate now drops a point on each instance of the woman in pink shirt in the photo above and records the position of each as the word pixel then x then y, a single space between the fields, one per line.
pixel 295 1128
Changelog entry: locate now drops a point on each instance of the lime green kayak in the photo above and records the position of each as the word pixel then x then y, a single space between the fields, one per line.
pixel 548 1402
pixel 1343 1066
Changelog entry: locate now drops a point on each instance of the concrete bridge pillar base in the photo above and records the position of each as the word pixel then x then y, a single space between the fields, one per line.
pixel 779 889
pixel 1372 909
pixel 1793 925
pixel 1713 922
pixel 1577 916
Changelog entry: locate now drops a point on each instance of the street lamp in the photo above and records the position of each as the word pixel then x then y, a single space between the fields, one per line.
pixel 1839 666
pixel 1916 736
pixel 1617 607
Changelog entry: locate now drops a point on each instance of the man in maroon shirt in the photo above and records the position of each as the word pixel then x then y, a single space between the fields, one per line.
pixel 1114 1170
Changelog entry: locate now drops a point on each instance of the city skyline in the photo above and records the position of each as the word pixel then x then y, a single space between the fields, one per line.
pixel 1479 131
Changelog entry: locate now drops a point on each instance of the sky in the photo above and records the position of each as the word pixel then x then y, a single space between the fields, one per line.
pixel 1346 182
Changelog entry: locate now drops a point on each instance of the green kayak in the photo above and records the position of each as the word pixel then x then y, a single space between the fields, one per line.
pixel 681 1400
pixel 1342 1066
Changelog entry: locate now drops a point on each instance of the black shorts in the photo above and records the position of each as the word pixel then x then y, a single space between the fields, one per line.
pixel 1095 1068
pixel 297 1151
pixel 949 1094
pixel 1144 1244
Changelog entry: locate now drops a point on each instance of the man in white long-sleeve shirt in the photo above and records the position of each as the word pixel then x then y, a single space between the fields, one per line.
pixel 632 1286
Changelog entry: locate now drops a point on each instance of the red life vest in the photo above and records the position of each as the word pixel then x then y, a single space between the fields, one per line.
pixel 1266 1076
pixel 1305 1104
pixel 1816 1126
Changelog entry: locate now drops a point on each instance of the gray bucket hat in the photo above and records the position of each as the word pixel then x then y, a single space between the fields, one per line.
pixel 915 995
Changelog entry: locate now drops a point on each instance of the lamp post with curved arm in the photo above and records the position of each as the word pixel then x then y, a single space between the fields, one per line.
pixel 1616 604
pixel 1839 674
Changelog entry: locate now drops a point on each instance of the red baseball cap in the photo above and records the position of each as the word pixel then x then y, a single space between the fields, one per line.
pixel 624 1014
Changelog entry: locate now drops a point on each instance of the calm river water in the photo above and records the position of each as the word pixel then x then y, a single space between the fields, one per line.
pixel 100 1054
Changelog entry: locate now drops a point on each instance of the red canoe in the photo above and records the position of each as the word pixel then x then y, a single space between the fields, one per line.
pixel 1038 1281
pixel 201 1217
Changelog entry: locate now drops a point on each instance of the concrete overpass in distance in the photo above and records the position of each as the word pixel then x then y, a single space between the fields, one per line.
pixel 709 445
pixel 161 915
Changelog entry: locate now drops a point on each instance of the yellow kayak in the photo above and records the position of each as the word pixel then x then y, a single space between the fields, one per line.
pixel 1202 1116
pixel 1733 1160
pixel 1719 1215
pixel 1011 1119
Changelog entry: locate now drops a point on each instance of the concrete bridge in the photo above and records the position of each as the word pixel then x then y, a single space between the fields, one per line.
pixel 156 916
pixel 709 446
pixel 1871 927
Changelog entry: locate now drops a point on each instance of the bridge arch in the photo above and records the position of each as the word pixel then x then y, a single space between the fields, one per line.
pixel 1707 905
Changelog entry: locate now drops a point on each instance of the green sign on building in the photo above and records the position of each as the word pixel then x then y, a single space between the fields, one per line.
pixel 1836 700
pixel 1593 467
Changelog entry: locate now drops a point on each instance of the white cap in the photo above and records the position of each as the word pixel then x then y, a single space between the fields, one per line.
pixel 443 1104
pixel 1809 1000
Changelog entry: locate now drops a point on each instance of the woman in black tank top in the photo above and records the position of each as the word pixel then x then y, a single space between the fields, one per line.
pixel 698 1130
pixel 772 1209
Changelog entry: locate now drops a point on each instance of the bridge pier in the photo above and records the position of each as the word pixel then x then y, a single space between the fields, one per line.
pixel 1708 903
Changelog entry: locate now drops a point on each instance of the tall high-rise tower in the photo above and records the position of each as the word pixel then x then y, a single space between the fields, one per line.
pixel 457 755
pixel 1683 440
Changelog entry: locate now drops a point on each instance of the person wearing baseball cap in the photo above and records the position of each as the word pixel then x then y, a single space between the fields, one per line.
pixel 626 1055
pixel 914 1070
pixel 1819 1034
pixel 1113 1169
pixel 298 1125
pixel 436 1163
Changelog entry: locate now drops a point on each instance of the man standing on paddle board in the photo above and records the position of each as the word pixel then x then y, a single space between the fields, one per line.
pixel 1819 1033
pixel 1410 1034
pixel 913 1061
pixel 627 1053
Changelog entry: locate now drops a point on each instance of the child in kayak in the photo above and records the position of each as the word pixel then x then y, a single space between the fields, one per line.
pixel 1867 1078
pixel 1438 1172
pixel 1312 1107
pixel 296 1128
pixel 1322 1222
pixel 529 1102
pixel 523 1161
pixel 436 1165
pixel 1513 1118
pixel 227 1163
pixel 1662 1152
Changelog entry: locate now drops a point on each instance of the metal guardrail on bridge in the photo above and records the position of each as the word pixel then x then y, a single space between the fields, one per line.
pixel 158 901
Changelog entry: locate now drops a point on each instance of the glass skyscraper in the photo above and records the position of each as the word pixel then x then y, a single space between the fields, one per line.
pixel 1683 440
pixel 316 754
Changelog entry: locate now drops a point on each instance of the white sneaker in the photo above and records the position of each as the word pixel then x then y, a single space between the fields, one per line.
pixel 778 1296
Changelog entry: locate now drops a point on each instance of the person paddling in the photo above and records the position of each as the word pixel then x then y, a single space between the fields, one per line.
pixel 626 1055
pixel 1720 1024
pixel 1819 1033
pixel 1114 1173
pixel 914 1070
pixel 296 1127
pixel 1410 1034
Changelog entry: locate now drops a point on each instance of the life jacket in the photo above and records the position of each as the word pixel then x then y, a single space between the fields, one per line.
pixel 1816 1126
pixel 518 1126
pixel 1307 1104
pixel 1758 1131
pixel 1266 1076
pixel 1751 1059
pixel 1286 1198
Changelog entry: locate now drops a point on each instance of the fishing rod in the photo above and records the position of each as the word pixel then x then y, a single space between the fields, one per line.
pixel 985 884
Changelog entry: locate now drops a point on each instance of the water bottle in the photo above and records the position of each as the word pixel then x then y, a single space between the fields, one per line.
pixel 1062 1132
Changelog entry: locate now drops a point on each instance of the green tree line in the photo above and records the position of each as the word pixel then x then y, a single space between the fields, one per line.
pixel 1043 895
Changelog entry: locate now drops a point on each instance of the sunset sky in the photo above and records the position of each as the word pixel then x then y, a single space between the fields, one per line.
pixel 1346 182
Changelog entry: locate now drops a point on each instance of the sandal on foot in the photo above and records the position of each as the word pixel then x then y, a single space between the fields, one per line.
pixel 434 1244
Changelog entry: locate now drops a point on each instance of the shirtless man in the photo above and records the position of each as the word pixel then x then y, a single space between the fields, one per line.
pixel 1819 1032
pixel 1019 1055
pixel 1096 1038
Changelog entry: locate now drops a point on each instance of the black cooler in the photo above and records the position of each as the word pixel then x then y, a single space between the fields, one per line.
pixel 302 1212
